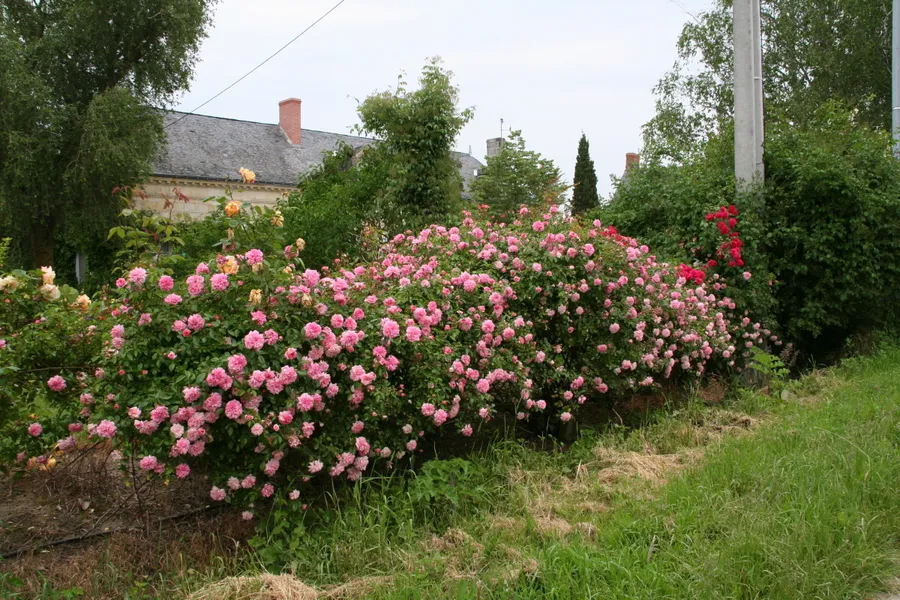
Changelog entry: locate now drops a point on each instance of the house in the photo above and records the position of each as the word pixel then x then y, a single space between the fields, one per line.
pixel 202 155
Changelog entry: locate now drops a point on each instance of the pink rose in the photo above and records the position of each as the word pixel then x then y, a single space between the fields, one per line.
pixel 413 333
pixel 106 429
pixel 137 276
pixel 219 282
pixel 234 409
pixel 254 340
pixel 254 256
pixel 312 330
pixel 56 383
pixel 390 328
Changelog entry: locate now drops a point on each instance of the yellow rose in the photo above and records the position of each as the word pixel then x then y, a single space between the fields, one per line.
pixel 277 219
pixel 306 300
pixel 301 244
pixel 257 267
pixel 230 266
pixel 230 233
pixel 232 208
pixel 247 175
pixel 49 292
pixel 287 270
pixel 255 296
pixel 48 275
pixel 82 301
pixel 9 283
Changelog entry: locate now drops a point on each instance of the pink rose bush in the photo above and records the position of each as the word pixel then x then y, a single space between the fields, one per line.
pixel 333 371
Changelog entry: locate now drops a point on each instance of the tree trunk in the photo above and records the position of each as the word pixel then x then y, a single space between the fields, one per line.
pixel 42 243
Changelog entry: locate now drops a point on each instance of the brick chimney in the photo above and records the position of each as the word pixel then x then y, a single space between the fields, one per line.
pixel 289 119
pixel 632 160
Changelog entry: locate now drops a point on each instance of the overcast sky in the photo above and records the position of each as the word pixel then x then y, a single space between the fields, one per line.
pixel 551 69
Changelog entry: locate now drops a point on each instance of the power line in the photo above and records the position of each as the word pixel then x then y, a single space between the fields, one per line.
pixel 251 71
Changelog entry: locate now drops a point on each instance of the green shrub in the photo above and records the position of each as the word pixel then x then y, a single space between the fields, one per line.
pixel 46 331
pixel 827 230
pixel 333 205
pixel 832 232
pixel 517 176
pixel 664 204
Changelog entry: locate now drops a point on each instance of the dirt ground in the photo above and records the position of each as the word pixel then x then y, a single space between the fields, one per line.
pixel 85 494
pixel 107 519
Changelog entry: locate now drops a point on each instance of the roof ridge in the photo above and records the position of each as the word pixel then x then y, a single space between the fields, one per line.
pixel 302 129
pixel 187 114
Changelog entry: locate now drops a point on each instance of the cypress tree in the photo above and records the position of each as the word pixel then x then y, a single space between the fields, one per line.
pixel 584 198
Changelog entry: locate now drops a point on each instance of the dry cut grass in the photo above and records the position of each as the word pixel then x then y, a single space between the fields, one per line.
pixel 284 587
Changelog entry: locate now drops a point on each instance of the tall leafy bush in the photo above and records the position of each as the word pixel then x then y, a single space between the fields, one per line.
pixel 832 219
pixel 335 203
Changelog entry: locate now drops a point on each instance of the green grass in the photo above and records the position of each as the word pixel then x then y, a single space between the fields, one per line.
pixel 807 507
pixel 803 502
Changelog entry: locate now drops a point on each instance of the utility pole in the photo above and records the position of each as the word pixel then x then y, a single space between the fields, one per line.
pixel 748 98
pixel 895 78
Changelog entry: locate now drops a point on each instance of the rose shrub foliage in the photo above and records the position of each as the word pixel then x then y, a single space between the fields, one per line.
pixel 262 374
pixel 48 337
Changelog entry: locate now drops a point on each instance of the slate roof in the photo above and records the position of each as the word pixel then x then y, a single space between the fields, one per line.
pixel 214 148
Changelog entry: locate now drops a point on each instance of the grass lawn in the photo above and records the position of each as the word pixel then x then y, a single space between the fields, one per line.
pixel 757 498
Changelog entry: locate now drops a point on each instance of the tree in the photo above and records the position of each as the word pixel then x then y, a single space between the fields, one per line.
pixel 406 180
pixel 416 132
pixel 812 52
pixel 335 202
pixel 79 80
pixel 584 196
pixel 517 176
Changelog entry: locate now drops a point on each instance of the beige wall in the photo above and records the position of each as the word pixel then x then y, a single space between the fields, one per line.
pixel 158 189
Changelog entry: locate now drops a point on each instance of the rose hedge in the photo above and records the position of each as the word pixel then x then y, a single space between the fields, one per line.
pixel 263 375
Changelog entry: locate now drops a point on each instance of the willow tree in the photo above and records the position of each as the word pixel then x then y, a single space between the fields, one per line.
pixel 79 84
